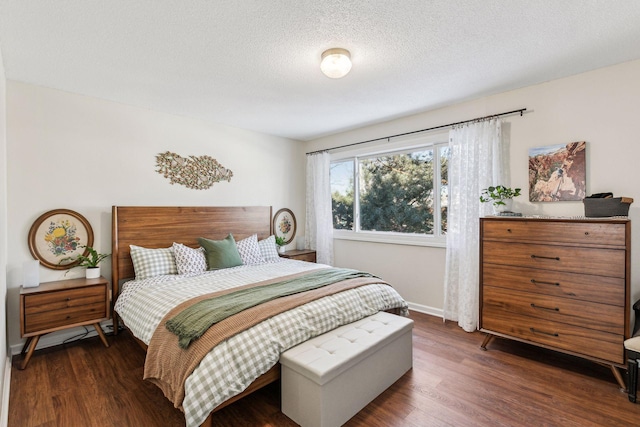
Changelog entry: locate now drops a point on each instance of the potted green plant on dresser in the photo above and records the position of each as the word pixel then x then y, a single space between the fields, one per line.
pixel 501 197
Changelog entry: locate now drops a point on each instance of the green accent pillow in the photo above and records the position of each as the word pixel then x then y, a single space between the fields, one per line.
pixel 221 253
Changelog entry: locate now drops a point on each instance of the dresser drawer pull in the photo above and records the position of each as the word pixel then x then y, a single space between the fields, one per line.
pixel 557 258
pixel 538 282
pixel 554 334
pixel 544 308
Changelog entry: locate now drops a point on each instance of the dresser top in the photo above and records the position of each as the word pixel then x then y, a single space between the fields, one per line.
pixel 610 220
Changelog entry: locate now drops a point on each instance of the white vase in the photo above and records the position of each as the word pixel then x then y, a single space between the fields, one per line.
pixel 92 272
pixel 281 249
pixel 508 203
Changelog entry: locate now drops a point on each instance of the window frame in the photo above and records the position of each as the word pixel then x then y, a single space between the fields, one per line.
pixel 433 141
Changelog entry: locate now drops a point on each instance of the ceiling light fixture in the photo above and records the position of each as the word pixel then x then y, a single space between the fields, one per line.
pixel 336 63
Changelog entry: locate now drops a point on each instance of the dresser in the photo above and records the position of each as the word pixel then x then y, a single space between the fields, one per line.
pixel 561 284
pixel 63 304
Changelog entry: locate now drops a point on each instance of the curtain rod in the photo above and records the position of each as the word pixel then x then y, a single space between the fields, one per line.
pixel 521 110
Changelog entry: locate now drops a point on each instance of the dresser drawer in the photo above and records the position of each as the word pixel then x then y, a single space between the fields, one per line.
pixel 45 320
pixel 606 290
pixel 601 262
pixel 581 233
pixel 589 342
pixel 602 317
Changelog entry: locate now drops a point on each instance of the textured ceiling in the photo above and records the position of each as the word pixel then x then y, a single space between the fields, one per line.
pixel 254 64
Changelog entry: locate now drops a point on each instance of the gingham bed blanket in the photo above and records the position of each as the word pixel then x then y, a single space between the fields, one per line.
pixel 230 367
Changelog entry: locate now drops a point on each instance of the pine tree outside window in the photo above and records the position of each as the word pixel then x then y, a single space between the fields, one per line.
pixel 396 196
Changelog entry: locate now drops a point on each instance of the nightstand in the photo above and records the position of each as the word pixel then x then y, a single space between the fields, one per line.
pixel 301 255
pixel 63 304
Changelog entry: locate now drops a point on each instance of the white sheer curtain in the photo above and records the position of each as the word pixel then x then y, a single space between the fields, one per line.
pixel 476 162
pixel 319 221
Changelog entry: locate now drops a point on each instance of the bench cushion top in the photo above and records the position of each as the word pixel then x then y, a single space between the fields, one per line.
pixel 328 355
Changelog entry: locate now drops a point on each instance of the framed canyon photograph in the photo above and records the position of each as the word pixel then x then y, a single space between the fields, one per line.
pixel 558 172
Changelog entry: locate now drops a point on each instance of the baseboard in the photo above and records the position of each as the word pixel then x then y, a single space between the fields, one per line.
pixel 438 312
pixel 57 338
pixel 4 405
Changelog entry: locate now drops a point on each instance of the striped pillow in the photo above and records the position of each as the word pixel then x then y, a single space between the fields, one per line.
pixel 152 262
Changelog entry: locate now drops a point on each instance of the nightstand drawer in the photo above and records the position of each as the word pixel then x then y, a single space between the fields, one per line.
pixel 45 302
pixel 300 255
pixel 306 257
pixel 45 320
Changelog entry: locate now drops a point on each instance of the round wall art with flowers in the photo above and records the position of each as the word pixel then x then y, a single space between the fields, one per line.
pixel 284 225
pixel 59 234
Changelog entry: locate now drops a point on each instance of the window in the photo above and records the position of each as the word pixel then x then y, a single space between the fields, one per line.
pixel 397 196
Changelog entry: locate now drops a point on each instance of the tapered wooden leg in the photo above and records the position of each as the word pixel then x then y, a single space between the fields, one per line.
pixel 101 334
pixel 616 373
pixel 34 343
pixel 487 338
pixel 26 344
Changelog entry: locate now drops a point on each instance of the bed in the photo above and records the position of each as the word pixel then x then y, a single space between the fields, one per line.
pixel 204 393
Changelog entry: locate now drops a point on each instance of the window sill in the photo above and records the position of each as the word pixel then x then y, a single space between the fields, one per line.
pixel 393 239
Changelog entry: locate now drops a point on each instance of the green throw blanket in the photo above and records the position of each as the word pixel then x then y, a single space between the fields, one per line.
pixel 194 321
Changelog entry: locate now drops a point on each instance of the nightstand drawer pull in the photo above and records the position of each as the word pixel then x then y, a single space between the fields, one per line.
pixel 534 331
pixel 536 282
pixel 544 308
pixel 556 258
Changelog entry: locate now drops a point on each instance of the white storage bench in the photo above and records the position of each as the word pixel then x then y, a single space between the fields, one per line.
pixel 330 378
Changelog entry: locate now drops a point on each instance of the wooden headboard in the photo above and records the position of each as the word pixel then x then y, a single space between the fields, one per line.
pixel 159 227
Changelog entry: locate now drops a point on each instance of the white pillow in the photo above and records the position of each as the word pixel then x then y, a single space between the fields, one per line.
pixel 152 262
pixel 268 249
pixel 189 260
pixel 250 250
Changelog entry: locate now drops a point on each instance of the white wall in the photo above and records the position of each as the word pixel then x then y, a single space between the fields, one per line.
pixel 601 107
pixel 3 245
pixel 86 154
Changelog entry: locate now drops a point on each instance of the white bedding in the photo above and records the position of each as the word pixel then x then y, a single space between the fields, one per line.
pixel 234 364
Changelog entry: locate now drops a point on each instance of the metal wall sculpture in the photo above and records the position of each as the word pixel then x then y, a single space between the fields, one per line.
pixel 197 172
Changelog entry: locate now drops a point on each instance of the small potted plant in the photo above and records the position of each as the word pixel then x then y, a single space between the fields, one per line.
pixel 500 196
pixel 89 261
pixel 280 243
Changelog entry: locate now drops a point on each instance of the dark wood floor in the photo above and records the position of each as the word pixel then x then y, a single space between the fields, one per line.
pixel 452 383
